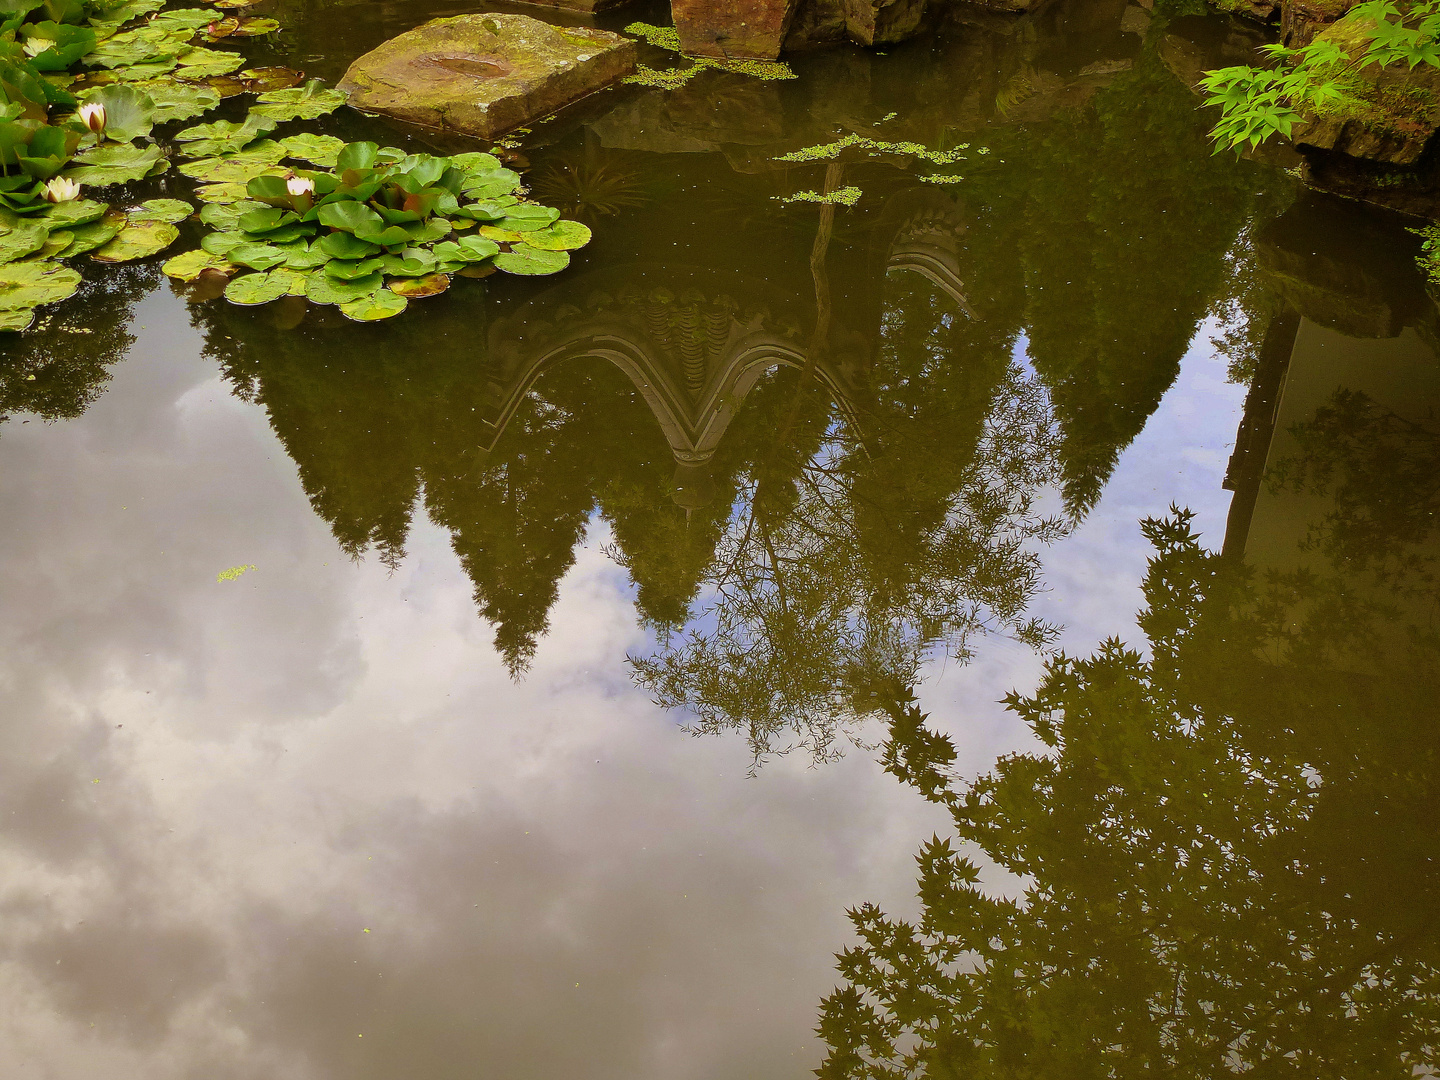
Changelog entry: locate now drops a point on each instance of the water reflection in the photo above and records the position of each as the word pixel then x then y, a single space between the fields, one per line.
pixel 1224 849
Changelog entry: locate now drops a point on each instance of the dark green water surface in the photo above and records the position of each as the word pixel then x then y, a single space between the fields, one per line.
pixel 1044 560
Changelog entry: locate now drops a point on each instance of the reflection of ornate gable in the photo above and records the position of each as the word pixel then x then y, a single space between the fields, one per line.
pixel 694 353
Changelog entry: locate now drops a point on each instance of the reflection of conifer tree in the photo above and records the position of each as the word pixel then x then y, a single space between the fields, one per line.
pixel 59 367
pixel 1227 852
pixel 1129 220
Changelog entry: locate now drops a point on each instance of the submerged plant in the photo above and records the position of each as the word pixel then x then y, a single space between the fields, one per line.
pixel 376 230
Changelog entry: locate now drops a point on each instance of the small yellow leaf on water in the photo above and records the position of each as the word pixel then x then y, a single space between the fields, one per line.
pixel 233 573
pixel 367 930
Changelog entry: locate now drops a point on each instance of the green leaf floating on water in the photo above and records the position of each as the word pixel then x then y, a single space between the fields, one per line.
pixel 21 239
pixel 300 103
pixel 129 112
pixel 192 264
pixel 303 256
pixel 374 307
pixel 256 256
pixel 352 269
pixel 321 149
pixel 561 236
pixel 414 288
pixel 523 259
pixel 184 19
pixel 321 288
pixel 171 210
pixel 138 240
pixel 202 63
pixel 528 216
pixel 175 100
pixel 139 46
pixel 225 137
pixel 489 185
pixel 341 245
pixel 55 243
pixel 29 284
pixel 17 320
pixel 251 289
pixel 221 193
pixel 237 169
pixel 118 163
pixel 94 234
pixel 222 243
pixel 67 215
pixel 225 215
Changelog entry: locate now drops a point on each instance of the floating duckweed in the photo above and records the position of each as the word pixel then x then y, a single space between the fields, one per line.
pixel 942 179
pixel 830 151
pixel 233 573
pixel 845 196
pixel 665 37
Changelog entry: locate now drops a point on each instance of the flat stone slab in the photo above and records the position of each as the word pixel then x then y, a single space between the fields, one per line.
pixel 485 74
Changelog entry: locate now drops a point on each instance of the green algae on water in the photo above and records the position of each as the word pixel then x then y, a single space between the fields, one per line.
pixel 666 37
pixel 845 196
pixel 830 151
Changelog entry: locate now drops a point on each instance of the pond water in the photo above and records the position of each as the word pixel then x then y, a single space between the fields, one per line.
pixel 522 687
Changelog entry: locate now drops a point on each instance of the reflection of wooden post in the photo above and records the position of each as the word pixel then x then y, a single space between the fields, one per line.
pixel 1246 470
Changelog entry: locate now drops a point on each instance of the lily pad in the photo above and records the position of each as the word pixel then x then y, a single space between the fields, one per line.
pixel 21 239
pixel 237 169
pixel 94 234
pixel 504 236
pixel 256 256
pixel 222 243
pixel 341 245
pixel 225 136
pixel 303 256
pixel 138 240
pixel 184 18
pixel 192 264
pixel 67 215
pixel 320 149
pixel 352 269
pixel 321 288
pixel 129 112
pixel 226 215
pixel 29 284
pixel 380 305
pixel 501 182
pixel 139 46
pixel 116 164
pixel 172 210
pixel 527 217
pixel 523 259
pixel 222 193
pixel 202 63
pixel 414 288
pixel 251 289
pixel 252 26
pixel 17 320
pixel 413 262
pixel 55 243
pixel 300 103
pixel 562 236
pixel 175 100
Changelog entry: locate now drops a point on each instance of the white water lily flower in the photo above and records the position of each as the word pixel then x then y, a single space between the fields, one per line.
pixel 61 190
pixel 34 46
pixel 92 116
pixel 300 185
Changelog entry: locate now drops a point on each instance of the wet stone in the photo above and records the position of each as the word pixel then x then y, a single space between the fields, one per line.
pixel 485 75
pixel 733 29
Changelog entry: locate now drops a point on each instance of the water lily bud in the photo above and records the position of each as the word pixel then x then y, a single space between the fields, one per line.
pixel 300 185
pixel 93 116
pixel 61 190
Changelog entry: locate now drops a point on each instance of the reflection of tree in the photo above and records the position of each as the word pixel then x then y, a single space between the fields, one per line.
pixel 847 560
pixel 1227 850
pixel 59 367
pixel 1383 473
pixel 1127 223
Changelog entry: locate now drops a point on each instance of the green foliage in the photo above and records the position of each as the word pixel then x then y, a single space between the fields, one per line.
pixel 1258 103
pixel 337 235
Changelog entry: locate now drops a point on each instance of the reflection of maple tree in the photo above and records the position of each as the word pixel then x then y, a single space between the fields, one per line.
pixel 1227 852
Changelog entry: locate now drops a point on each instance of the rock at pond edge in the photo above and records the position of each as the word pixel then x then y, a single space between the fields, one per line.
pixel 485 74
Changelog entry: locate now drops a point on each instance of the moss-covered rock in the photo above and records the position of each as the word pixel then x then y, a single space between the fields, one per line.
pixel 485 74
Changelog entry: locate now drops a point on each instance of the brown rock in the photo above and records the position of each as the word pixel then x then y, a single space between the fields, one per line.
pixel 1302 20
pixel 732 29
pixel 485 74
pixel 882 22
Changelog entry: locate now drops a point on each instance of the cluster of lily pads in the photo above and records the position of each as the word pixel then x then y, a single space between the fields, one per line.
pixel 80 82
pixel 369 230
pixel 83 83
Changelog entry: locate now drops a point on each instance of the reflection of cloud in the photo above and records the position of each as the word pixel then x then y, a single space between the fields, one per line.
pixel 318 748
